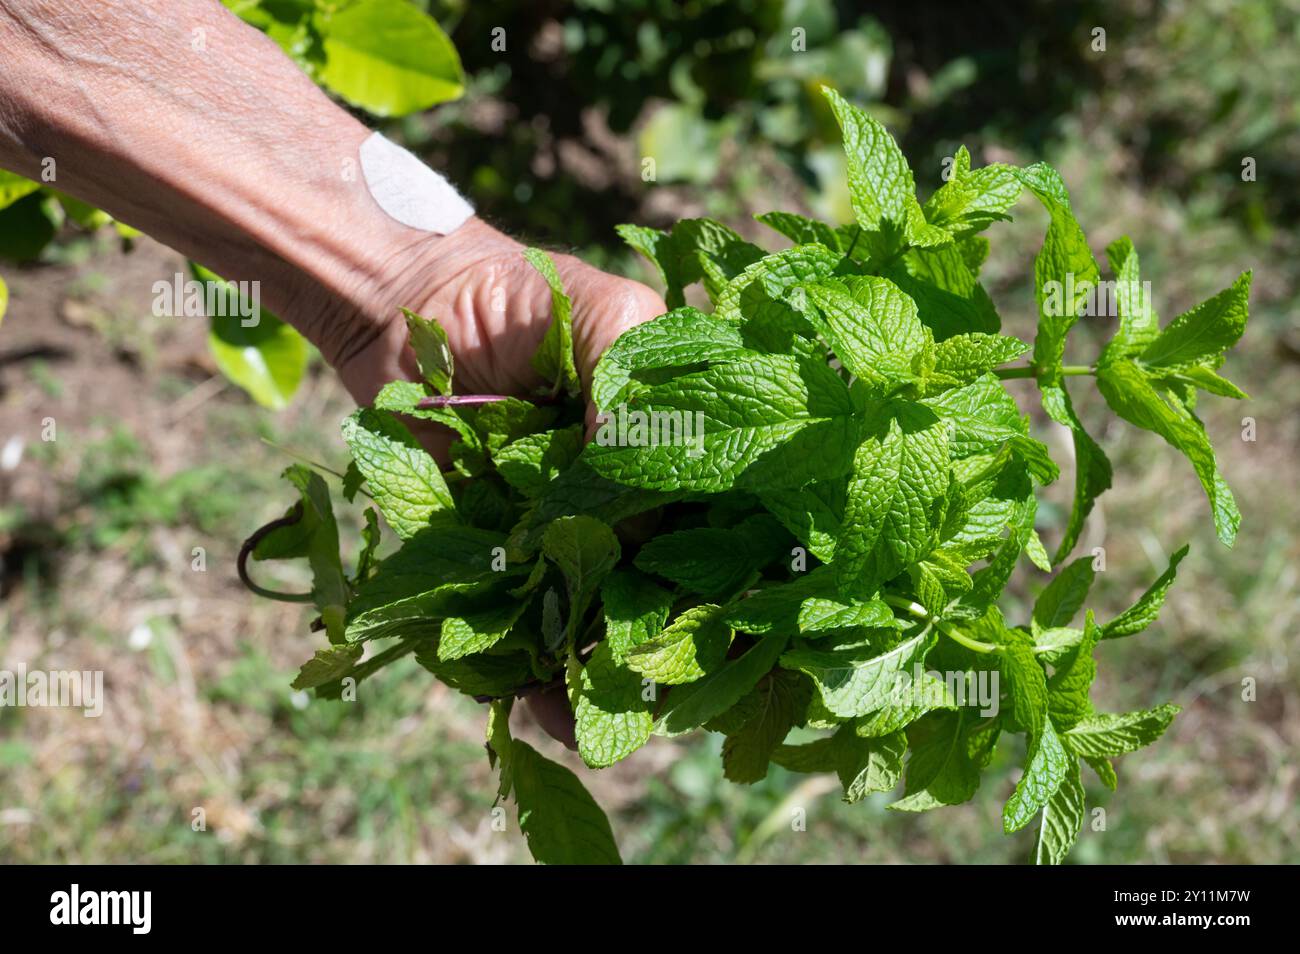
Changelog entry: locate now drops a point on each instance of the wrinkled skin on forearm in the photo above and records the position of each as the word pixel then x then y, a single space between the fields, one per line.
pixel 177 118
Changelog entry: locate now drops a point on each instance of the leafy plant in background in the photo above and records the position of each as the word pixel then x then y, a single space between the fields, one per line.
pixel 387 57
pixel 861 492
pixel 740 76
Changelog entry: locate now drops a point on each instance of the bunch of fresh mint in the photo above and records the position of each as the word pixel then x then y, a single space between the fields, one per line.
pixel 799 512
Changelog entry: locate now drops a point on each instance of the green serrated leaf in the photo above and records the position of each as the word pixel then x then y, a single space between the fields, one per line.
pixel 405 481
pixel 432 350
pixel 1147 608
pixel 867 764
pixel 326 666
pixel 694 645
pixel 1062 820
pixel 900 473
pixel 1203 332
pixel 554 359
pixel 746 754
pixel 1128 391
pixel 765 422
pixel 558 816
pixel 389 58
pixel 1062 598
pixel 1105 735
pixel 715 562
pixel 683 338
pixel 692 705
pixel 854 676
pixel 585 550
pixel 613 715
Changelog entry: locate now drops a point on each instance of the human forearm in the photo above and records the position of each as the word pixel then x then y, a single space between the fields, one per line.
pixel 179 119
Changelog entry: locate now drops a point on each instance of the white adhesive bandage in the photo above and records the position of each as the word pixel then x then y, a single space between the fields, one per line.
pixel 410 191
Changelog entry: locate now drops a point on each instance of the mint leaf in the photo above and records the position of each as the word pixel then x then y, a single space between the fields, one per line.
pixel 900 473
pixel 949 299
pixel 1138 323
pixel 1092 470
pixel 1068 688
pixel 1062 598
pixel 814 513
pixel 405 481
pixel 966 357
pixel 815 756
pixel 560 819
pixel 613 715
pixel 327 665
pixel 943 768
pixel 1105 771
pixel 485 674
pixel 1046 767
pixel 1147 608
pixel 693 646
pixel 476 632
pixel 872 327
pixel 1062 820
pixel 867 765
pixel 776 608
pixel 690 706
pixel 585 550
pixel 856 675
pixel 1204 332
pixel 1130 394
pixel 774 275
pixel 636 609
pixel 1105 735
pixel 319 543
pixel 554 358
pixel 971 201
pixel 432 351
pixel 683 338
pixel 747 752
pixel 881 187
pixel 802 230
pixel 981 415
pixel 530 463
pixel 1065 273
pixel 715 562
pixel 765 422
pixel 695 250
pixel 818 614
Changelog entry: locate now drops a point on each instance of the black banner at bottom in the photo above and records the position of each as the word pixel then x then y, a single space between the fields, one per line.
pixel 340 904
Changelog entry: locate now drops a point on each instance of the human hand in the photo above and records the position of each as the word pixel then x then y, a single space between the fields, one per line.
pixel 495 308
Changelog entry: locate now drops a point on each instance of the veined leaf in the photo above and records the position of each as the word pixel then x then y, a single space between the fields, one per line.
pixel 389 58
pixel 1129 393
pixel 765 422
pixel 405 481
pixel 1105 735
pixel 1062 820
pixel 554 358
pixel 560 819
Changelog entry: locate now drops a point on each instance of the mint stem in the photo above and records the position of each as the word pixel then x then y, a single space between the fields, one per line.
pixel 1030 371
pixel 957 636
pixel 921 613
